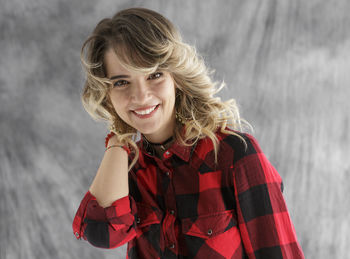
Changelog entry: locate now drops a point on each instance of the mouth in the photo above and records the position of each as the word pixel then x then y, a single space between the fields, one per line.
pixel 146 113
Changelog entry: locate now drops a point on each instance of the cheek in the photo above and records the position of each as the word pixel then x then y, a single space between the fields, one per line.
pixel 168 92
pixel 118 102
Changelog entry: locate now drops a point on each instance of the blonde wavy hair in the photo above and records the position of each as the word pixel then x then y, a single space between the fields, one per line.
pixel 145 41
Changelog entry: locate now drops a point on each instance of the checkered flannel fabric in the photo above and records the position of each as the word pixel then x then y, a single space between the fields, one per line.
pixel 186 206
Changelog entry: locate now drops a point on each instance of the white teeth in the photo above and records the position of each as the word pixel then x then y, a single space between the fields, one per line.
pixel 144 112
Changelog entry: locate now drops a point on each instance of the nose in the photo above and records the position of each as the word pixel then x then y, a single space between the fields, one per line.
pixel 140 92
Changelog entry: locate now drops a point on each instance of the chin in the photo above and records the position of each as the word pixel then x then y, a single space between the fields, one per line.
pixel 148 131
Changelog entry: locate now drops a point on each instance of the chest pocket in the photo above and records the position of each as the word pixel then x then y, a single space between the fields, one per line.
pixel 207 226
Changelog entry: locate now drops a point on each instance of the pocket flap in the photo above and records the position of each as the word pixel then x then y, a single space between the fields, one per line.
pixel 206 226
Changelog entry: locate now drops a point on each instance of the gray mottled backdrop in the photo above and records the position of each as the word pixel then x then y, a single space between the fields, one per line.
pixel 286 62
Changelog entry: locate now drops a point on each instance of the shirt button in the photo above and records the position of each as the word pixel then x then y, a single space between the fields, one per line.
pixel 210 231
pixel 172 212
pixel 172 246
pixel 167 173
pixel 138 220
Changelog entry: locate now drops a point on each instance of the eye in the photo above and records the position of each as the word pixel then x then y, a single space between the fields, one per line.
pixel 155 75
pixel 120 83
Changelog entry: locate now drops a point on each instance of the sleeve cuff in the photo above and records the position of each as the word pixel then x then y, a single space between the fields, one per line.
pixel 80 215
pixel 119 213
pixel 111 134
pixel 118 208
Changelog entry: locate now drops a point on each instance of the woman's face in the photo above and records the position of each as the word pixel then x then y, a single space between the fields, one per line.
pixel 145 102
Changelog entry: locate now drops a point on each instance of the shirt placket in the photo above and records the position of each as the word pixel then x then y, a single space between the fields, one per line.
pixel 168 225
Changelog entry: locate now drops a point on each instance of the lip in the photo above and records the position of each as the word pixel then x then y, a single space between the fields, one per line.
pixel 145 116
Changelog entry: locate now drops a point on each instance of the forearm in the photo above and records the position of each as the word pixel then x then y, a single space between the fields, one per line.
pixel 111 180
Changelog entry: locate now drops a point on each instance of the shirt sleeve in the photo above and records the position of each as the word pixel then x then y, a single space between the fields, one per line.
pixel 108 227
pixel 263 219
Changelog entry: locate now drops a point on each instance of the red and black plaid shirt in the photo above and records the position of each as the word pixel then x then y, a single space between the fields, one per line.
pixel 185 206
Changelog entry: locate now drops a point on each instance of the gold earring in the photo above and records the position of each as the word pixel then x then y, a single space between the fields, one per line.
pixel 178 118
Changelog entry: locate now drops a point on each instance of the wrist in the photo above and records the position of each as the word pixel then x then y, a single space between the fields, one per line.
pixel 114 146
pixel 112 140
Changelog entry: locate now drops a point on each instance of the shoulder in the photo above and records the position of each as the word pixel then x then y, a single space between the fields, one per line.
pixel 241 144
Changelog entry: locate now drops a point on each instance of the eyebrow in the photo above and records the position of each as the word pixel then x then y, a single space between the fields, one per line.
pixel 118 76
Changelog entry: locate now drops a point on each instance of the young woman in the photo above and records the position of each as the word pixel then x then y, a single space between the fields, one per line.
pixel 178 178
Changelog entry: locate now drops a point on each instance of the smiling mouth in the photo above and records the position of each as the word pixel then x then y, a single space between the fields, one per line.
pixel 146 113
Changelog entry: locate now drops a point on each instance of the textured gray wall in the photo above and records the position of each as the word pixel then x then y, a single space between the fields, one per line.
pixel 286 62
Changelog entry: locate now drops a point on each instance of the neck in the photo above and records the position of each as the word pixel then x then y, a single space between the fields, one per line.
pixel 167 141
pixel 159 148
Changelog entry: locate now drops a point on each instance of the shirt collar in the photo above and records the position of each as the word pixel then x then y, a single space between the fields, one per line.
pixel 182 151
